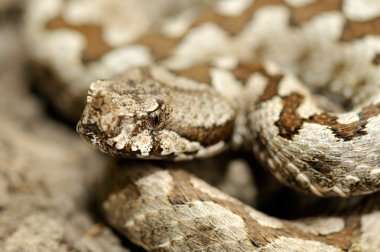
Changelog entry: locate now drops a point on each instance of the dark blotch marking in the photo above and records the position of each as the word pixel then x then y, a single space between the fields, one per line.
pixel 321 167
pixel 369 112
pixel 355 30
pixel 271 90
pixel 290 122
pixel 96 46
pixel 303 14
pixel 344 131
pixel 176 200
pixel 203 227
pixel 160 45
pixel 244 70
pixel 233 24
pixel 199 73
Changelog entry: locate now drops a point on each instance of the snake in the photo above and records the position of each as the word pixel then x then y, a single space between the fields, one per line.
pixel 293 82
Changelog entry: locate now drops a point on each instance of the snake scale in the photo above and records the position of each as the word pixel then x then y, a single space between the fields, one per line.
pixel 230 76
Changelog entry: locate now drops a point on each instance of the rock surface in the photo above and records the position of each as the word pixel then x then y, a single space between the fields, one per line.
pixel 46 171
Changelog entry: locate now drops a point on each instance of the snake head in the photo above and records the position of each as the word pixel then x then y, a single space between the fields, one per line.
pixel 135 115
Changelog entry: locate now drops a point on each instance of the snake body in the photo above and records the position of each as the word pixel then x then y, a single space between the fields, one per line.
pixel 193 88
pixel 170 210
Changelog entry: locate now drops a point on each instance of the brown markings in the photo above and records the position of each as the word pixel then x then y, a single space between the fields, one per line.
pixel 338 68
pixel 347 131
pixel 233 24
pixel 205 136
pixel 271 90
pixel 199 73
pixel 162 46
pixel 184 192
pixel 322 164
pixel 376 59
pixel 303 14
pixel 290 122
pixel 244 70
pixel 369 112
pixel 355 30
pixel 159 44
pixel 344 131
pixel 96 46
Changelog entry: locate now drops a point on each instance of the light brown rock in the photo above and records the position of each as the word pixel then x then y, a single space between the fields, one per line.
pixel 46 171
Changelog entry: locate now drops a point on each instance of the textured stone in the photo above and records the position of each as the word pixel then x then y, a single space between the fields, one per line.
pixel 46 171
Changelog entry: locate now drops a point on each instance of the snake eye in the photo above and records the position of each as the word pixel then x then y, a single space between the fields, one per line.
pixel 155 119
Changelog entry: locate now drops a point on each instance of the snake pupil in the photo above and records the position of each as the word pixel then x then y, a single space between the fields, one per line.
pixel 156 120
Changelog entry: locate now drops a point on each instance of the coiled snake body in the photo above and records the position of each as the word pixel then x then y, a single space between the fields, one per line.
pixel 198 92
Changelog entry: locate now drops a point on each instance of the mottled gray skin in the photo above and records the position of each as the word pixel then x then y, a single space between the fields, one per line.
pixel 136 115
